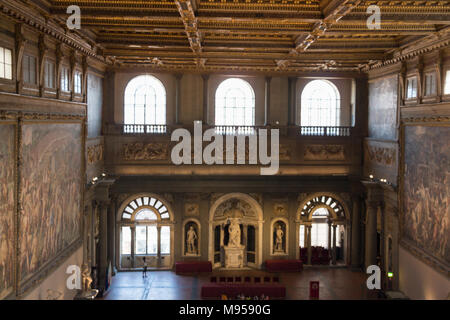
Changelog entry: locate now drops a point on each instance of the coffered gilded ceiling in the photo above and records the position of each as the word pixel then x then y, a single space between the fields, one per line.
pixel 264 35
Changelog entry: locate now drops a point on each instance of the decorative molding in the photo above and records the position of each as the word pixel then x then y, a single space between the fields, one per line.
pixel 426 119
pixel 321 152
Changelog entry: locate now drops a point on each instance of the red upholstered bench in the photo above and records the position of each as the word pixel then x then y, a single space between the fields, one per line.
pixel 193 266
pixel 215 290
pixel 283 265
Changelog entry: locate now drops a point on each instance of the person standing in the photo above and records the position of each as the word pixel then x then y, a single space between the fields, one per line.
pixel 144 272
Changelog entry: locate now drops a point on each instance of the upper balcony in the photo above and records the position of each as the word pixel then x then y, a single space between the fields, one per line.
pixel 147 150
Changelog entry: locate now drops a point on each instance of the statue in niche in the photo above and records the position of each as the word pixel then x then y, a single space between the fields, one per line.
pixel 234 231
pixel 191 240
pixel 279 238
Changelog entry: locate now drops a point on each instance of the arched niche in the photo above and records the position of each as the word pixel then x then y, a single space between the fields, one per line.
pixel 277 247
pixel 191 238
pixel 250 215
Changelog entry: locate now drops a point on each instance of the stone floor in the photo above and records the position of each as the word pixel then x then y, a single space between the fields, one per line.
pixel 335 284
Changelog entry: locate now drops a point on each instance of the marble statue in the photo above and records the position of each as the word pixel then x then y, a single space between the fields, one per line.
pixel 279 239
pixel 234 231
pixel 191 238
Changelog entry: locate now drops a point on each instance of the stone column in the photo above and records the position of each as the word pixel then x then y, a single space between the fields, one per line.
pixel 309 244
pixel 292 100
pixel 305 236
pixel 244 242
pixel 133 245
pixel 158 232
pixel 221 235
pixel 267 101
pixel 329 236
pixel 371 234
pixel 334 245
pixel 92 258
pixel 177 97
pixel 103 244
pixel 112 235
pixel 205 98
pixel 355 259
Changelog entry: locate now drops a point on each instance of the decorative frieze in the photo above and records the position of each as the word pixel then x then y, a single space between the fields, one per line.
pixel 146 151
pixel 321 152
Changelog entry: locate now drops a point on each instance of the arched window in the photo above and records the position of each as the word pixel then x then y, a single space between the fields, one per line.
pixel 145 101
pixel 145 219
pixel 320 104
pixel 235 103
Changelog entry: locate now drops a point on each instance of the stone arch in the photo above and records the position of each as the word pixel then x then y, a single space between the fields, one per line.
pixel 334 196
pixel 236 196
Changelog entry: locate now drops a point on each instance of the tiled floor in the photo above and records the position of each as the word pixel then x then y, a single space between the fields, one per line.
pixel 335 284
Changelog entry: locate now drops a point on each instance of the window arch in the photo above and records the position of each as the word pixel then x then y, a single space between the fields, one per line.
pixel 235 103
pixel 320 104
pixel 145 101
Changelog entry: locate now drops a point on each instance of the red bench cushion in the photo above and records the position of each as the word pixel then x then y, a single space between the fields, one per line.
pixel 283 265
pixel 193 266
pixel 215 290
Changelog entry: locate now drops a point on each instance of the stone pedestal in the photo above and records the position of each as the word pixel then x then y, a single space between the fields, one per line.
pixel 234 257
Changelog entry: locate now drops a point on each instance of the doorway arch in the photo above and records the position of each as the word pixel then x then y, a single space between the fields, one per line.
pixel 250 216
pixel 325 215
pixel 145 230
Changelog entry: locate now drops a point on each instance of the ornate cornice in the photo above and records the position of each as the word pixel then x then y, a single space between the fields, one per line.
pixel 46 26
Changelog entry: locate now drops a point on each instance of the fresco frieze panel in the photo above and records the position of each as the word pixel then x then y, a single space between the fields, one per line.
pixel 426 186
pixel 7 206
pixel 50 193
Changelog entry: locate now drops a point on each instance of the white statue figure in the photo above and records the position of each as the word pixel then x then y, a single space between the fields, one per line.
pixel 279 239
pixel 87 279
pixel 191 237
pixel 234 231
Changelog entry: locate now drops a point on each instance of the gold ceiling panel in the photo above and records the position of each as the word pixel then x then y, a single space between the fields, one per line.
pixel 261 35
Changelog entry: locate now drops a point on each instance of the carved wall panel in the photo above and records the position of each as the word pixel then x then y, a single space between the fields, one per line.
pixel 379 154
pixel 320 152
pixel 95 153
pixel 191 209
pixel 280 209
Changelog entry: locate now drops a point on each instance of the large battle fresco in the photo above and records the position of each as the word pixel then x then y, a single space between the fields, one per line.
pixel 427 189
pixel 7 165
pixel 49 193
pixel 383 108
